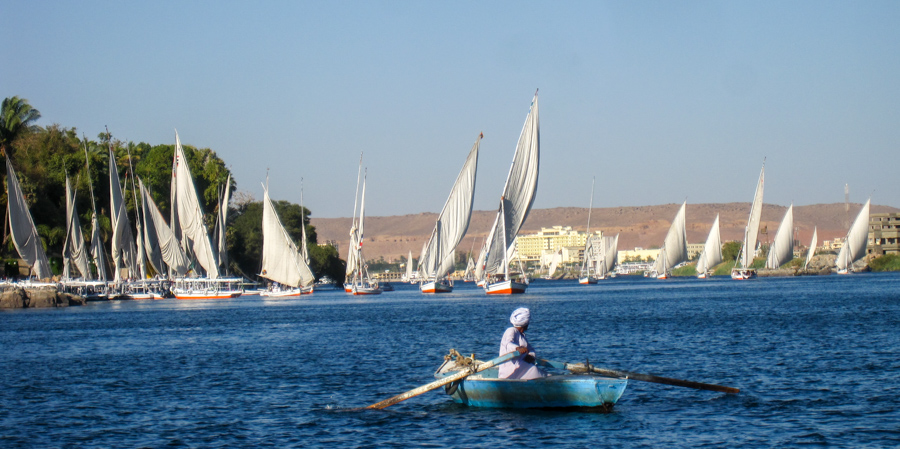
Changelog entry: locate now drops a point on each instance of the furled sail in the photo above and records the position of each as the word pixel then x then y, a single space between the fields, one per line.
pixel 518 195
pixel 674 250
pixel 281 260
pixel 453 221
pixel 748 249
pixel 221 224
pixel 782 249
pixel 97 252
pixel 21 227
pixel 74 249
pixel 123 248
pixel 162 246
pixel 855 244
pixel 712 250
pixel 812 249
pixel 189 213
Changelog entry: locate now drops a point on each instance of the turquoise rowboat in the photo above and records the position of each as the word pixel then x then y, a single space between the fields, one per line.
pixel 485 389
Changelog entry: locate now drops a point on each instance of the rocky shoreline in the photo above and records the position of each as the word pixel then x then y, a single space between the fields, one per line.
pixel 41 297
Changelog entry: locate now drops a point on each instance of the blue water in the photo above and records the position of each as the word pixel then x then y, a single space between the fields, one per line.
pixel 817 359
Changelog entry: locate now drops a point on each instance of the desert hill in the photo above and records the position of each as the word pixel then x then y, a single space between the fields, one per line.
pixel 644 226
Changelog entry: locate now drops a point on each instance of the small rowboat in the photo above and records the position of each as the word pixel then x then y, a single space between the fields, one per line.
pixel 485 389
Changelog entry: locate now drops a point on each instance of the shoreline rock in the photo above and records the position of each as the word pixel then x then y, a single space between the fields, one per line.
pixel 43 297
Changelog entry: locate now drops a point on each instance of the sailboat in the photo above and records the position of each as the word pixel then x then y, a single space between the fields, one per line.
pixel 74 249
pixel 782 249
pixel 712 251
pixel 358 280
pixel 555 260
pixel 22 229
pixel 588 260
pixel 812 249
pixel 162 247
pixel 437 260
pixel 187 221
pixel 609 253
pixel 282 262
pixel 742 266
pixel 124 253
pixel 854 247
pixel 674 249
pixel 518 197
pixel 304 245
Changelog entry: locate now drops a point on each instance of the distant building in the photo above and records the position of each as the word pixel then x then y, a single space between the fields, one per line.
pixel 531 247
pixel 694 250
pixel 637 254
pixel 832 245
pixel 884 234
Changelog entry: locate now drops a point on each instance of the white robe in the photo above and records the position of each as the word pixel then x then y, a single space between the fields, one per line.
pixel 517 368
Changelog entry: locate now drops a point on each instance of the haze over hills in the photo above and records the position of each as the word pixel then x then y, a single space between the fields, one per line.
pixel 643 226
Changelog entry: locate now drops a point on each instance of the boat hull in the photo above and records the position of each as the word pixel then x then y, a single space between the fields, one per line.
pixel 505 288
pixel 743 274
pixel 362 290
pixel 207 295
pixel 562 391
pixel 587 280
pixel 282 294
pixel 436 287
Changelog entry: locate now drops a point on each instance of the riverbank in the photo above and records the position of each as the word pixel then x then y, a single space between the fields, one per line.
pixel 38 297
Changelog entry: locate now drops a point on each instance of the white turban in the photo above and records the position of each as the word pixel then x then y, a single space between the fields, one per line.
pixel 520 317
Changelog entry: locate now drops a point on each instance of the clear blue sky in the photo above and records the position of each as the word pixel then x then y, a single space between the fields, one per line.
pixel 661 101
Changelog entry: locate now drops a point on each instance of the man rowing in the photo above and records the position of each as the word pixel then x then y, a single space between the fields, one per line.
pixel 521 367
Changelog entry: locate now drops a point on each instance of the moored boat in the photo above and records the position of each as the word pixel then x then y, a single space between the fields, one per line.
pixel 743 269
pixel 485 389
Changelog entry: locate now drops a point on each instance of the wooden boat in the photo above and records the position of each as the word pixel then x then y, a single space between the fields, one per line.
pixel 485 389
pixel 589 260
pixel 674 249
pixel 742 268
pixel 359 282
pixel 854 247
pixel 712 252
pixel 205 288
pixel 439 253
pixel 515 204
pixel 282 262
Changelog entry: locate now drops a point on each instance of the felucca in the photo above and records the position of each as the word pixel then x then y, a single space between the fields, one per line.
pixel 712 251
pixel 21 227
pixel 782 249
pixel 742 266
pixel 589 258
pixel 438 258
pixel 812 249
pixel 187 221
pixel 855 244
pixel 674 250
pixel 515 203
pixel 282 262
pixel 358 280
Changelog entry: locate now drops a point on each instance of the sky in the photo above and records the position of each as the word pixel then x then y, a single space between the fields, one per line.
pixel 660 101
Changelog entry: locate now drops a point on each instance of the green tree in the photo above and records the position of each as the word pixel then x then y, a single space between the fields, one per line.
pixel 730 250
pixel 17 117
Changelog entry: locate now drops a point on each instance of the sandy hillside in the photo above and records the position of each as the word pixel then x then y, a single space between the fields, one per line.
pixel 643 226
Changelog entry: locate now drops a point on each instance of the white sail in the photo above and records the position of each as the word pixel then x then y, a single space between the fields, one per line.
pixel 281 260
pixel 97 252
pixel 855 244
pixel 21 227
pixel 812 249
pixel 518 196
pixel 748 249
pixel 712 250
pixel 674 249
pixel 74 249
pixel 123 247
pixel 221 224
pixel 609 255
pixel 409 267
pixel 189 213
pixel 782 249
pixel 587 263
pixel 554 262
pixel 162 245
pixel 453 221
pixel 304 245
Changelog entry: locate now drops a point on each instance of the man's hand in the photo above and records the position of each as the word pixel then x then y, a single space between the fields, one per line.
pixel 522 350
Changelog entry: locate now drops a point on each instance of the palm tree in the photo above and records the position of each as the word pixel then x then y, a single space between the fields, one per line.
pixel 16 118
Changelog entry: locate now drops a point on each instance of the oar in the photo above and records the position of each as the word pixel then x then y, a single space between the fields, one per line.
pixel 638 376
pixel 444 381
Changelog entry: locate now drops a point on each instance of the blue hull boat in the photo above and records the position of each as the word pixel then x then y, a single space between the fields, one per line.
pixel 485 389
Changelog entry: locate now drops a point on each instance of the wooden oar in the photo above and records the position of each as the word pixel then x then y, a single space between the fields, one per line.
pixel 638 376
pixel 444 381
